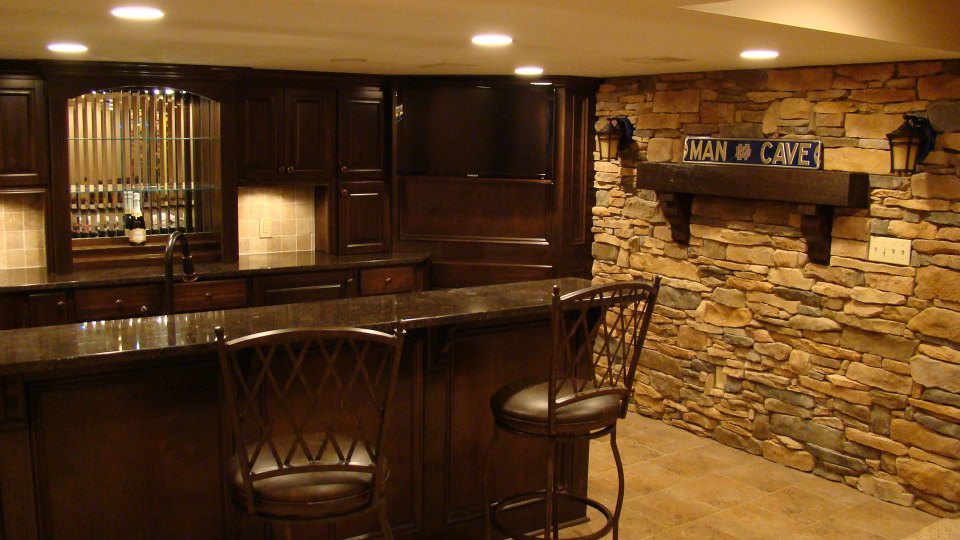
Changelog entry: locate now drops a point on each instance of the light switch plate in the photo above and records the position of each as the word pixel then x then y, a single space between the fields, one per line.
pixel 266 228
pixel 889 250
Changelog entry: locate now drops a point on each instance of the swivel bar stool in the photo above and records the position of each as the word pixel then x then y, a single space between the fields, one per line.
pixel 307 407
pixel 598 334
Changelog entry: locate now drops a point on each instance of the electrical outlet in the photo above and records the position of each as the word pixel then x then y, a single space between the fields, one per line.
pixel 889 250
pixel 266 228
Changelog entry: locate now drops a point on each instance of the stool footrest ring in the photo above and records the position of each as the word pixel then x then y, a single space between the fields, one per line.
pixel 535 497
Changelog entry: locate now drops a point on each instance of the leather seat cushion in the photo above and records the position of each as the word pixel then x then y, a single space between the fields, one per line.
pixel 305 493
pixel 522 406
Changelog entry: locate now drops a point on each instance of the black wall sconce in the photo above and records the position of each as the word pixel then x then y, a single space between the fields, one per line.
pixel 909 144
pixel 614 137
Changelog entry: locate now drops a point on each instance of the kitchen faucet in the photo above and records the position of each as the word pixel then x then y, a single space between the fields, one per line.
pixel 189 273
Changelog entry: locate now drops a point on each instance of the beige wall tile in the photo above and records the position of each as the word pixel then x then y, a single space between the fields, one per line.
pixel 290 208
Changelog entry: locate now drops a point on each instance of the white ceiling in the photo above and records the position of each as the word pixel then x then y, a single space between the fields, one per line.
pixel 598 38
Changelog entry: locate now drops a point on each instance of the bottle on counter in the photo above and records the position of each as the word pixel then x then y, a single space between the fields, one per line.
pixel 127 216
pixel 138 228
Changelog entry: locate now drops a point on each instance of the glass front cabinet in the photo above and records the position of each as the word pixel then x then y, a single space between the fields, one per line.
pixel 150 146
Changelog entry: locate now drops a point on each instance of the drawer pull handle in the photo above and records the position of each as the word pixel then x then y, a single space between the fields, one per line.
pixel 290 169
pixel 344 192
pixel 143 309
pixel 119 302
pixel 208 295
pixel 343 169
pixel 388 281
pixel 61 305
pixel 280 169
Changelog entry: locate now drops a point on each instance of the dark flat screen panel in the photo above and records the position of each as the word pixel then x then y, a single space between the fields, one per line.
pixel 504 132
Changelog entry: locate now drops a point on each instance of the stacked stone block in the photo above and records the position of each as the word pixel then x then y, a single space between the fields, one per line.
pixel 849 370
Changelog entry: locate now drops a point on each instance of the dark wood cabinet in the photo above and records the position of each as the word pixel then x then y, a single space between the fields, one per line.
pixel 117 302
pixel 50 308
pixel 361 134
pixel 306 287
pixel 362 217
pixel 23 135
pixel 209 295
pixel 287 135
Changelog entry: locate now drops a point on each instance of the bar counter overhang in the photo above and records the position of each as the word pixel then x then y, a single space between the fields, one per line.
pixel 113 429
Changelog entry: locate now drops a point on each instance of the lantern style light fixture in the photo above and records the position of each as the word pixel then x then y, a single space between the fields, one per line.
pixel 909 144
pixel 614 138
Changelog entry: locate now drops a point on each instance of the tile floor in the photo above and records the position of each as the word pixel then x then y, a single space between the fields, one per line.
pixel 679 485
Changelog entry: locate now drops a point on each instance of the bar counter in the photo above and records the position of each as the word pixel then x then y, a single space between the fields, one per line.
pixel 38 279
pixel 113 429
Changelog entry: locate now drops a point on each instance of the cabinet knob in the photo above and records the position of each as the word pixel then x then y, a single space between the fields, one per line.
pixel 143 309
pixel 280 169
pixel 344 192
pixel 388 281
pixel 349 280
pixel 343 168
pixel 208 295
pixel 118 302
pixel 61 305
pixel 290 169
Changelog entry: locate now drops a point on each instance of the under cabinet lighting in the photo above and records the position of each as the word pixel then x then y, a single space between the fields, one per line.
pixel 541 83
pixel 492 40
pixel 67 47
pixel 137 13
pixel 529 70
pixel 759 54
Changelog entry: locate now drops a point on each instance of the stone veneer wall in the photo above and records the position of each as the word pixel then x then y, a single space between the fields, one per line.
pixel 849 370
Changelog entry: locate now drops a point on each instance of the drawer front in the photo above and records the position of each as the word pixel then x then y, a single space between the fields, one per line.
pixel 295 288
pixel 117 302
pixel 209 295
pixel 386 280
pixel 49 308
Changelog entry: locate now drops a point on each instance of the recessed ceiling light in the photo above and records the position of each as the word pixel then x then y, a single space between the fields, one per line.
pixel 492 40
pixel 759 54
pixel 139 13
pixel 67 47
pixel 529 70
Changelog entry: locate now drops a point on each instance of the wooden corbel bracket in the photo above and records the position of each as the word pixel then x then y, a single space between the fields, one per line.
pixel 676 209
pixel 816 192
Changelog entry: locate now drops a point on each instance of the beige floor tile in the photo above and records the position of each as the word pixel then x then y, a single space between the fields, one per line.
pixel 764 475
pixel 668 508
pixel 833 490
pixel 679 486
pixel 801 506
pixel 719 491
pixel 697 530
pixel 691 463
pixel 667 439
pixel 831 529
pixel 645 478
pixel 886 519
pixel 754 524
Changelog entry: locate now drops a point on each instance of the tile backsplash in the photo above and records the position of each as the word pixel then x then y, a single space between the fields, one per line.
pixel 291 214
pixel 21 231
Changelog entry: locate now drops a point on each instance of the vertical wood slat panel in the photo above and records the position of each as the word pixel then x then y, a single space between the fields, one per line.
pixel 164 146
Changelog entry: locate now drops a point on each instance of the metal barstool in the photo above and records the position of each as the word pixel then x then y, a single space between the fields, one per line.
pixel 307 408
pixel 598 334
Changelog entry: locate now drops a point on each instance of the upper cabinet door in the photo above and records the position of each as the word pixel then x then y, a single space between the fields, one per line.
pixel 361 135
pixel 310 125
pixel 260 145
pixel 23 136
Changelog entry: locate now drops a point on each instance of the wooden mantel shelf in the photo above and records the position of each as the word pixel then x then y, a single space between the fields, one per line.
pixel 817 193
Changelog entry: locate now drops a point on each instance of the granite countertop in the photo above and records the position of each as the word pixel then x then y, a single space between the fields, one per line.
pixel 107 343
pixel 35 279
